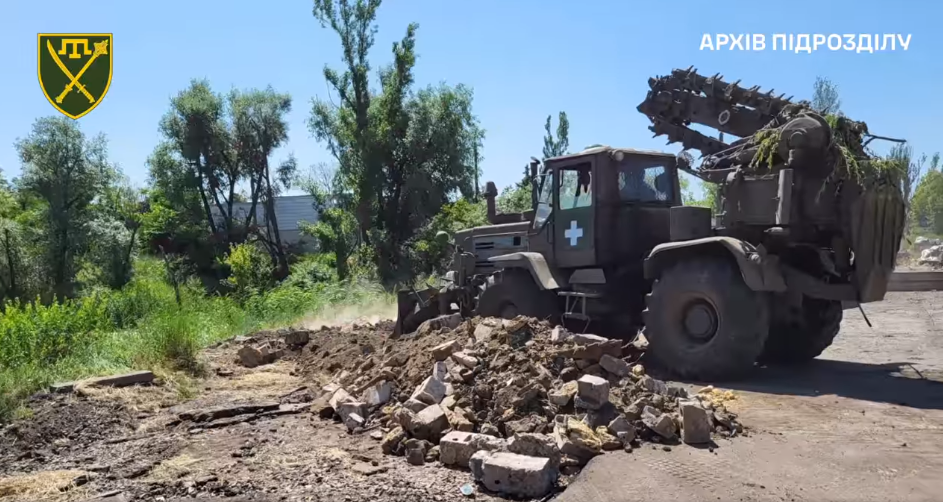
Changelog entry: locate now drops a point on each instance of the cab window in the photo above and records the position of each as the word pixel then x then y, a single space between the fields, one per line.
pixel 576 186
pixel 644 184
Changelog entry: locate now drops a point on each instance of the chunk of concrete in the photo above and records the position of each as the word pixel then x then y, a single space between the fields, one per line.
pixel 609 442
pixel 513 474
pixel 443 351
pixel 615 366
pixel 621 424
pixel 457 448
pixel 593 391
pixel 457 420
pixel 652 385
pixel 440 371
pixel 560 335
pixel 353 421
pixel 450 321
pixel 483 333
pixel 340 397
pixel 563 395
pixel 416 451
pixel 659 422
pixel 695 423
pixel 429 423
pixel 378 394
pixel 392 441
pixel 430 391
pixel 535 445
pixel 414 405
pixel 123 380
pixel 575 439
pixel 465 359
pixel 594 351
pixel 626 437
pixel 344 410
pixel 586 339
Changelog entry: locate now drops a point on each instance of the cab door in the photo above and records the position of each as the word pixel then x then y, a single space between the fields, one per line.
pixel 574 233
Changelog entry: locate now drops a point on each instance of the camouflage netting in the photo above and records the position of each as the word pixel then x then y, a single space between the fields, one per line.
pixel 846 152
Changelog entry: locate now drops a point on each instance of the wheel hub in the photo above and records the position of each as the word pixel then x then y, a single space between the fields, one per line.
pixel 700 320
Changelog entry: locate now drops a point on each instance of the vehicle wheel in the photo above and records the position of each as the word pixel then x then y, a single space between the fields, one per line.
pixel 517 294
pixel 703 322
pixel 800 335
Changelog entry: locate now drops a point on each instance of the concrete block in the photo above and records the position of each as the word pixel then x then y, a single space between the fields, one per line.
pixel 513 474
pixel 443 351
pixel 430 391
pixel 614 365
pixel 429 423
pixel 593 390
pixel 695 423
pixel 378 394
pixel 457 448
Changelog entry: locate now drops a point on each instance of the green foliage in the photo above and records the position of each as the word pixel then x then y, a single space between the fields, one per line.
pixel 63 173
pixel 142 327
pixel 825 97
pixel 401 153
pixel 250 269
pixel 111 252
pixel 767 144
pixel 516 198
pixel 927 203
pixel 432 252
pixel 557 147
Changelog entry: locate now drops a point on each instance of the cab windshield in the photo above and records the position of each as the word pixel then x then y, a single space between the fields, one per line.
pixel 544 199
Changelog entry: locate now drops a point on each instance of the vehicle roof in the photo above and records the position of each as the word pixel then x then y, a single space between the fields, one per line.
pixel 605 148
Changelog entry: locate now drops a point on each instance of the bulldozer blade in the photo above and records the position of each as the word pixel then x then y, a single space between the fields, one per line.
pixel 413 308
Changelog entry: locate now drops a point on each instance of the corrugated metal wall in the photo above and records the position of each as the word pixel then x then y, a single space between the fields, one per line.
pixel 289 210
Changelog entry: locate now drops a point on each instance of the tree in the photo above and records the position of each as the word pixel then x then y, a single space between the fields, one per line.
pixel 402 154
pixel 557 147
pixel 901 158
pixel 259 127
pixel 64 172
pixel 196 128
pixel 927 203
pixel 825 98
pixel 336 228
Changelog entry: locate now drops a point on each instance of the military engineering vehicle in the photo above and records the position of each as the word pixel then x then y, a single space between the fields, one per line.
pixel 805 219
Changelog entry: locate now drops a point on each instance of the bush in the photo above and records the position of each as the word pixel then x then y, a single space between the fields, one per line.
pixel 141 326
pixel 250 269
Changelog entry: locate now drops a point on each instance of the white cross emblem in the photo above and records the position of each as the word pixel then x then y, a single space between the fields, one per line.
pixel 573 233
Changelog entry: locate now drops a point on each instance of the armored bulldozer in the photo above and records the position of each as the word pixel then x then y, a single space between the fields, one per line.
pixel 805 221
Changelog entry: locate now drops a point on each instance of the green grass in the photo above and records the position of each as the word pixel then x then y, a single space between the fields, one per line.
pixel 142 327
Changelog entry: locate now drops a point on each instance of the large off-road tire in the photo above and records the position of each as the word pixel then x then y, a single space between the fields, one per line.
pixel 703 322
pixel 515 293
pixel 800 334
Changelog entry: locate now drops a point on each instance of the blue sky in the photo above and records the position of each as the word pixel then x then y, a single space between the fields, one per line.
pixel 524 59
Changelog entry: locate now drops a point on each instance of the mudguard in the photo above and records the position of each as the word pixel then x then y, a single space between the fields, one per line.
pixel 760 272
pixel 535 263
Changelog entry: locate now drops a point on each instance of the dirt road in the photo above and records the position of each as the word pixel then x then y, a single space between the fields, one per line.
pixel 864 422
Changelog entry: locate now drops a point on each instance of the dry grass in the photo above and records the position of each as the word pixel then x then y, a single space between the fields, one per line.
pixel 271 379
pixel 45 485
pixel 175 468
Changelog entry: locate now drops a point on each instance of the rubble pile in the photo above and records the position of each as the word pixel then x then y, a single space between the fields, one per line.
pixel 515 401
